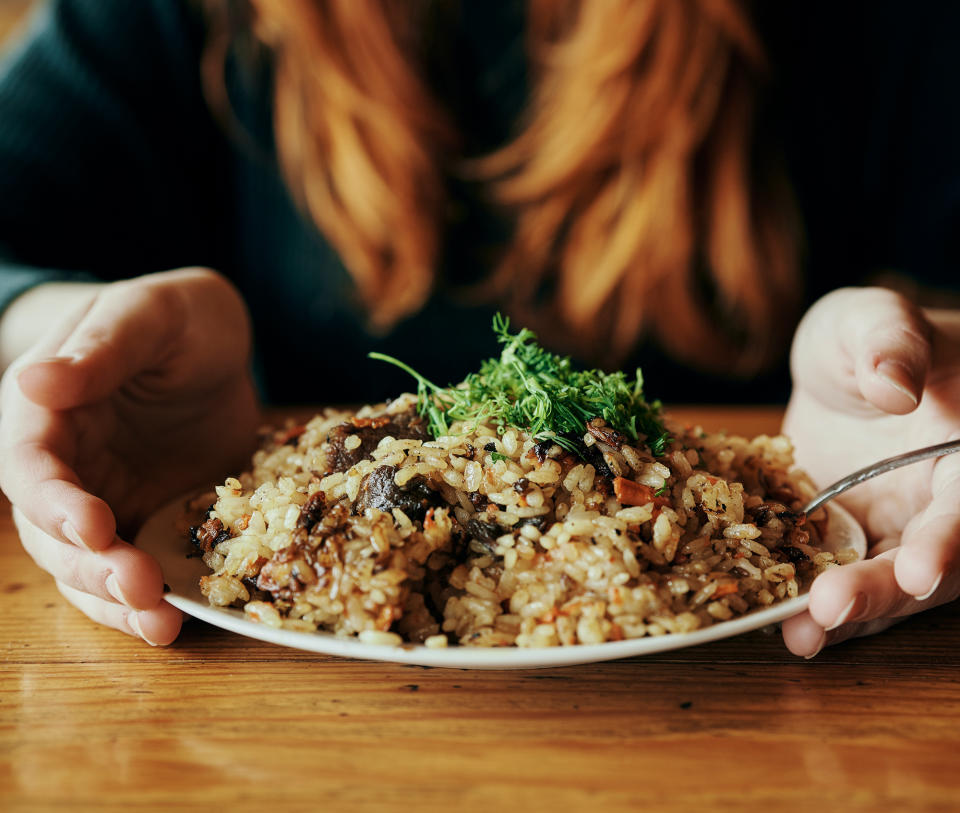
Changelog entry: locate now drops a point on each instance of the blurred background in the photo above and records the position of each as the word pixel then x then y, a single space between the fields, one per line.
pixel 11 13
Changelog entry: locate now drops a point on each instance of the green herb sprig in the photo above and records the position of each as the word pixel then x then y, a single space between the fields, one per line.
pixel 530 388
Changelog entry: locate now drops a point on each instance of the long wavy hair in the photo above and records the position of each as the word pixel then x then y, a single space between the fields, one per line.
pixel 640 198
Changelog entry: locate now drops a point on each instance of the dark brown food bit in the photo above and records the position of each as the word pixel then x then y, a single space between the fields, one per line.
pixel 478 500
pixel 307 561
pixel 795 555
pixel 521 485
pixel 287 572
pixel 208 535
pixel 490 447
pixel 604 480
pixel 542 449
pixel 761 514
pixel 484 535
pixel 311 512
pixel 484 531
pixel 606 434
pixel 765 512
pixel 379 490
pixel 540 523
pixel 406 425
pixel 604 485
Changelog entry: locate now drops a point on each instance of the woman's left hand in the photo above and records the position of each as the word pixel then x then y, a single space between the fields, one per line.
pixel 874 376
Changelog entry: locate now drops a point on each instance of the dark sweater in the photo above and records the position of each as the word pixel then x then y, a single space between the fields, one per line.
pixel 111 165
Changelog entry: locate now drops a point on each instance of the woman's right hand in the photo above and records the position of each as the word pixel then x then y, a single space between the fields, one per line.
pixel 138 396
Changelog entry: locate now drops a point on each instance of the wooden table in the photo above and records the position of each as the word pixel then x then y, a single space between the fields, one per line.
pixel 92 719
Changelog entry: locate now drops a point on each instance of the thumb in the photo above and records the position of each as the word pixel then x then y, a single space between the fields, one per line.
pixel 863 347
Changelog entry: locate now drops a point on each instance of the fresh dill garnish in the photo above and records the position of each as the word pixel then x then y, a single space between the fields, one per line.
pixel 495 456
pixel 662 491
pixel 532 389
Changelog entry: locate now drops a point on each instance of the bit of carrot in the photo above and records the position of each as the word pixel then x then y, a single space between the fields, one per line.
pixel 725 589
pixel 631 493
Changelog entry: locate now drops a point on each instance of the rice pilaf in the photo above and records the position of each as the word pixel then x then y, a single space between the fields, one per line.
pixel 363 524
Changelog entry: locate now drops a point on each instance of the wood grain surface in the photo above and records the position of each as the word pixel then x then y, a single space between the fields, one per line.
pixel 93 720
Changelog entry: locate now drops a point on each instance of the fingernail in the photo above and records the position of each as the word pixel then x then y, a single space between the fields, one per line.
pixel 70 533
pixel 820 645
pixel 897 376
pixel 134 623
pixel 932 590
pixel 845 614
pixel 112 585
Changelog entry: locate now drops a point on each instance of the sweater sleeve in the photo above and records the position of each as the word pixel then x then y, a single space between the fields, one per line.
pixel 110 162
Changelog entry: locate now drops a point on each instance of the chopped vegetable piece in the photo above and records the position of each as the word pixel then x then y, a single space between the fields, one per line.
pixel 631 493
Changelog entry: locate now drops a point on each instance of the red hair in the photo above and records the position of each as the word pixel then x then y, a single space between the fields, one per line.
pixel 634 182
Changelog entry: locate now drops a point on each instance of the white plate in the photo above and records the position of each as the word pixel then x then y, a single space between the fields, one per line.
pixel 160 538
